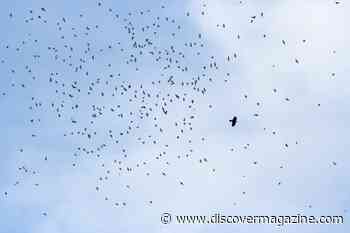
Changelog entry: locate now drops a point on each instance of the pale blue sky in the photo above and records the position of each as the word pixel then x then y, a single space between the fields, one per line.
pixel 67 194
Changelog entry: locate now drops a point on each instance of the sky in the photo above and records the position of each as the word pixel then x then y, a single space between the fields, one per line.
pixel 297 48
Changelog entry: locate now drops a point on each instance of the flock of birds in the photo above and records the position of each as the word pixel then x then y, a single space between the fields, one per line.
pixel 109 91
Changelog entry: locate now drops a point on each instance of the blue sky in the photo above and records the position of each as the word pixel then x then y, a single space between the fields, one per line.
pixel 313 172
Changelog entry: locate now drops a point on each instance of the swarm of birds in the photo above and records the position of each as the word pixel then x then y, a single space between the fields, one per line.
pixel 144 86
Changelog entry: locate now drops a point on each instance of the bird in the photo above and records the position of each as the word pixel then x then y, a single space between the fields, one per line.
pixel 233 121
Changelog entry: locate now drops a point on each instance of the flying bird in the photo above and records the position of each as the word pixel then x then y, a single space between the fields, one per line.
pixel 233 121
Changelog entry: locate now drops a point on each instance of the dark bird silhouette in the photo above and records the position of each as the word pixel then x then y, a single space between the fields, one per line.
pixel 233 121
